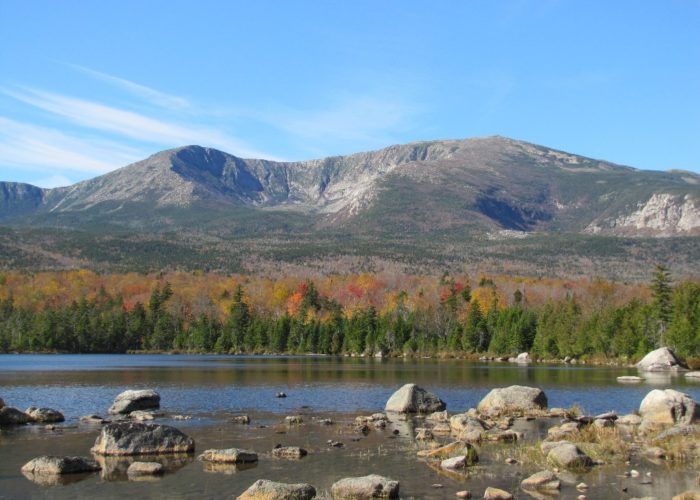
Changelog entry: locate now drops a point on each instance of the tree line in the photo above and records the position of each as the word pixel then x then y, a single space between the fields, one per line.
pixel 460 322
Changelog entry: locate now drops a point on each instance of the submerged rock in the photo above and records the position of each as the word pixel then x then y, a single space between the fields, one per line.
pixel 289 452
pixel 668 407
pixel 693 375
pixel 131 400
pixel 293 420
pixel 414 399
pixel 661 359
pixel 60 465
pixel 544 480
pixel 366 487
pixel 92 419
pixel 515 399
pixel 12 416
pixel 240 419
pixel 630 379
pixel 145 469
pixel 45 415
pixel 263 489
pixel 229 456
pixel 127 438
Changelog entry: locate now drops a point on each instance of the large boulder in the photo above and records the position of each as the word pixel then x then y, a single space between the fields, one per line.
pixel 45 415
pixel 131 438
pixel 668 407
pixel 229 456
pixel 414 399
pixel 366 487
pixel 12 416
pixel 263 489
pixel 516 399
pixel 569 456
pixel 129 401
pixel 60 465
pixel 661 359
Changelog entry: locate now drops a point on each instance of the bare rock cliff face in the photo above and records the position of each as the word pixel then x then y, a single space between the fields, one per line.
pixel 662 215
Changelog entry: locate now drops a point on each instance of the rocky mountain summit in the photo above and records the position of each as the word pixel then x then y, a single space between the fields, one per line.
pixel 453 199
pixel 490 183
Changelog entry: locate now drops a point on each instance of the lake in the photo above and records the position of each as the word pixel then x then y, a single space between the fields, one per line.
pixel 211 388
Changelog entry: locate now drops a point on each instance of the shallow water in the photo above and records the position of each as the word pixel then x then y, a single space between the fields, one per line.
pixel 210 388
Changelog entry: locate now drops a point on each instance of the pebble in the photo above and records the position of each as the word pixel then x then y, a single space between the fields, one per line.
pixel 464 494
pixel 634 473
pixel 335 444
pixel 438 486
pixel 581 497
pixel 511 461
pixel 581 486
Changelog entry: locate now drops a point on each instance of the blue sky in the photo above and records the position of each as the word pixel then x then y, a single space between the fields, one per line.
pixel 86 86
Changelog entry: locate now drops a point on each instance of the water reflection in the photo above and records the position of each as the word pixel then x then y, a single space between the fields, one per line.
pixel 114 468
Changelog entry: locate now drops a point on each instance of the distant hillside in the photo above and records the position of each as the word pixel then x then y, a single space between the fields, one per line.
pixel 397 202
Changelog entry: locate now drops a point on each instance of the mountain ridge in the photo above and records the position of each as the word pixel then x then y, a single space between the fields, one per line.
pixel 493 172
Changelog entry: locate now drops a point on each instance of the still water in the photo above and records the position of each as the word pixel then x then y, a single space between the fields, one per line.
pixel 211 388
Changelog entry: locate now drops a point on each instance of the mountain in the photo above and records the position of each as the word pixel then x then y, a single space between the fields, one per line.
pixel 423 194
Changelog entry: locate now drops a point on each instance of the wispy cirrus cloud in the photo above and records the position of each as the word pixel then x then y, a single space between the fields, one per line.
pixel 125 123
pixel 153 96
pixel 42 149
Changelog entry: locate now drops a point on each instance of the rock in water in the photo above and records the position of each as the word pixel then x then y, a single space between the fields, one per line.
pixel 544 480
pixel 45 415
pixel 229 456
pixel 60 465
pixel 145 469
pixel 289 452
pixel 569 456
pixel 131 438
pixel 413 399
pixel 523 357
pixel 513 399
pixel 129 401
pixel 659 360
pixel 2 403
pixel 492 493
pixel 668 407
pixel 270 490
pixel 366 487
pixel 13 416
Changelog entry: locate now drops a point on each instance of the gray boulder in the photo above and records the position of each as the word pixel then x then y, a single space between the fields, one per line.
pixel 515 399
pixel 131 438
pixel 569 456
pixel 145 469
pixel 45 415
pixel 12 416
pixel 544 480
pixel 129 401
pixel 229 456
pixel 414 399
pixel 270 490
pixel 59 465
pixel 661 359
pixel 366 487
pixel 668 407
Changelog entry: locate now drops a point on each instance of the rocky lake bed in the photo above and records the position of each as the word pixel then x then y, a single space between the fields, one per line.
pixel 509 439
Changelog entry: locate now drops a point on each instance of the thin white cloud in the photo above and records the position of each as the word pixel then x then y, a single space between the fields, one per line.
pixel 41 149
pixel 53 181
pixel 346 122
pixel 149 94
pixel 129 124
